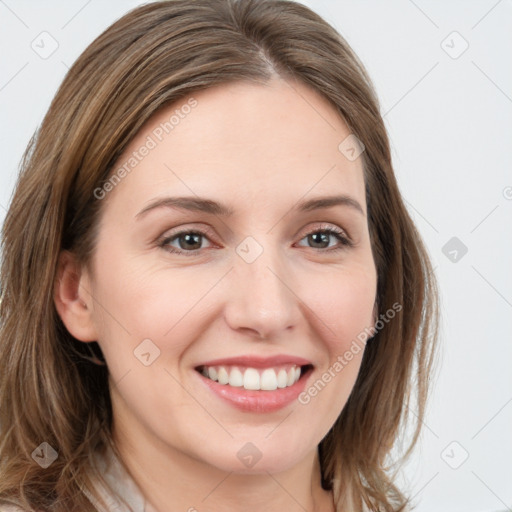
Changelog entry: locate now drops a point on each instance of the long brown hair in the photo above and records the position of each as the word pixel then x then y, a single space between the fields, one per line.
pixel 50 389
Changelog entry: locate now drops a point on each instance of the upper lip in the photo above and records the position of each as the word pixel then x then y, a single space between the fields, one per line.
pixel 254 361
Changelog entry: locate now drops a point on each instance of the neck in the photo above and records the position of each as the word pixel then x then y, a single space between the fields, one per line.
pixel 170 479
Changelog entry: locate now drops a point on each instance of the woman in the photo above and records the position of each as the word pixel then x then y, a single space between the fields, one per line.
pixel 163 344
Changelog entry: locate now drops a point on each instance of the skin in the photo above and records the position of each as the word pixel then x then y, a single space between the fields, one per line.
pixel 257 149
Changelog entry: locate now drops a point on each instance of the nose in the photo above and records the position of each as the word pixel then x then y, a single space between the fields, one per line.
pixel 261 298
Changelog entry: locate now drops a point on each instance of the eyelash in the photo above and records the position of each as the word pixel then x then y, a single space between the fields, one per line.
pixel 336 232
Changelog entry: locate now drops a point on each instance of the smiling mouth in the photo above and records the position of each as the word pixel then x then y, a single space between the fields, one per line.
pixel 255 379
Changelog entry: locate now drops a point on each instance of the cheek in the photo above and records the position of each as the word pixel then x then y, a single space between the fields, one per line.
pixel 344 306
pixel 344 311
pixel 357 304
pixel 137 302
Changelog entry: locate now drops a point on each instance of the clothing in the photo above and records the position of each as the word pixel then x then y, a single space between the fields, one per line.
pixel 118 478
pixel 121 482
pixel 114 473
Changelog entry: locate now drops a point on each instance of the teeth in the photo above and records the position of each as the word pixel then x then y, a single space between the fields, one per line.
pixel 267 379
pixel 291 377
pixel 282 379
pixel 223 376
pixel 251 379
pixel 236 379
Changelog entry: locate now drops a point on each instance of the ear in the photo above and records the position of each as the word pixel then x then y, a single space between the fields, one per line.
pixel 72 298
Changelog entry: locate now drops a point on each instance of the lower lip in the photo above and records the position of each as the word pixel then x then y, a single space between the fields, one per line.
pixel 257 401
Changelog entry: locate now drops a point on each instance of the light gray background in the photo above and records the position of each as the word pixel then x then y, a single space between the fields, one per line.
pixel 449 118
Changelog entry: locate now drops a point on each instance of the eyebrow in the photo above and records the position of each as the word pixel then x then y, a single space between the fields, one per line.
pixel 209 206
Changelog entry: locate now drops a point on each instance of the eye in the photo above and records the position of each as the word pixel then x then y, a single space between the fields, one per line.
pixel 188 241
pixel 320 236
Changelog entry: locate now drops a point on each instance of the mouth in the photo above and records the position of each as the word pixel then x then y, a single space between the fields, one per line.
pixel 256 384
pixel 253 378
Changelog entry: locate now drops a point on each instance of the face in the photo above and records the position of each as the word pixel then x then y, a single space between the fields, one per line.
pixel 255 286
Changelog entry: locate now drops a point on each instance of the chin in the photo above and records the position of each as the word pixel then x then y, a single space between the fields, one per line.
pixel 260 455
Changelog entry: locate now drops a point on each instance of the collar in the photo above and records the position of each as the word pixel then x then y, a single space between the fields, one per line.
pixel 114 472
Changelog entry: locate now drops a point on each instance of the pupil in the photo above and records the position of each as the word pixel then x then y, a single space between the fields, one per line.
pixel 323 236
pixel 191 239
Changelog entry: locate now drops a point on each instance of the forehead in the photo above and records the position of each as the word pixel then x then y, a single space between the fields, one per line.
pixel 244 141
